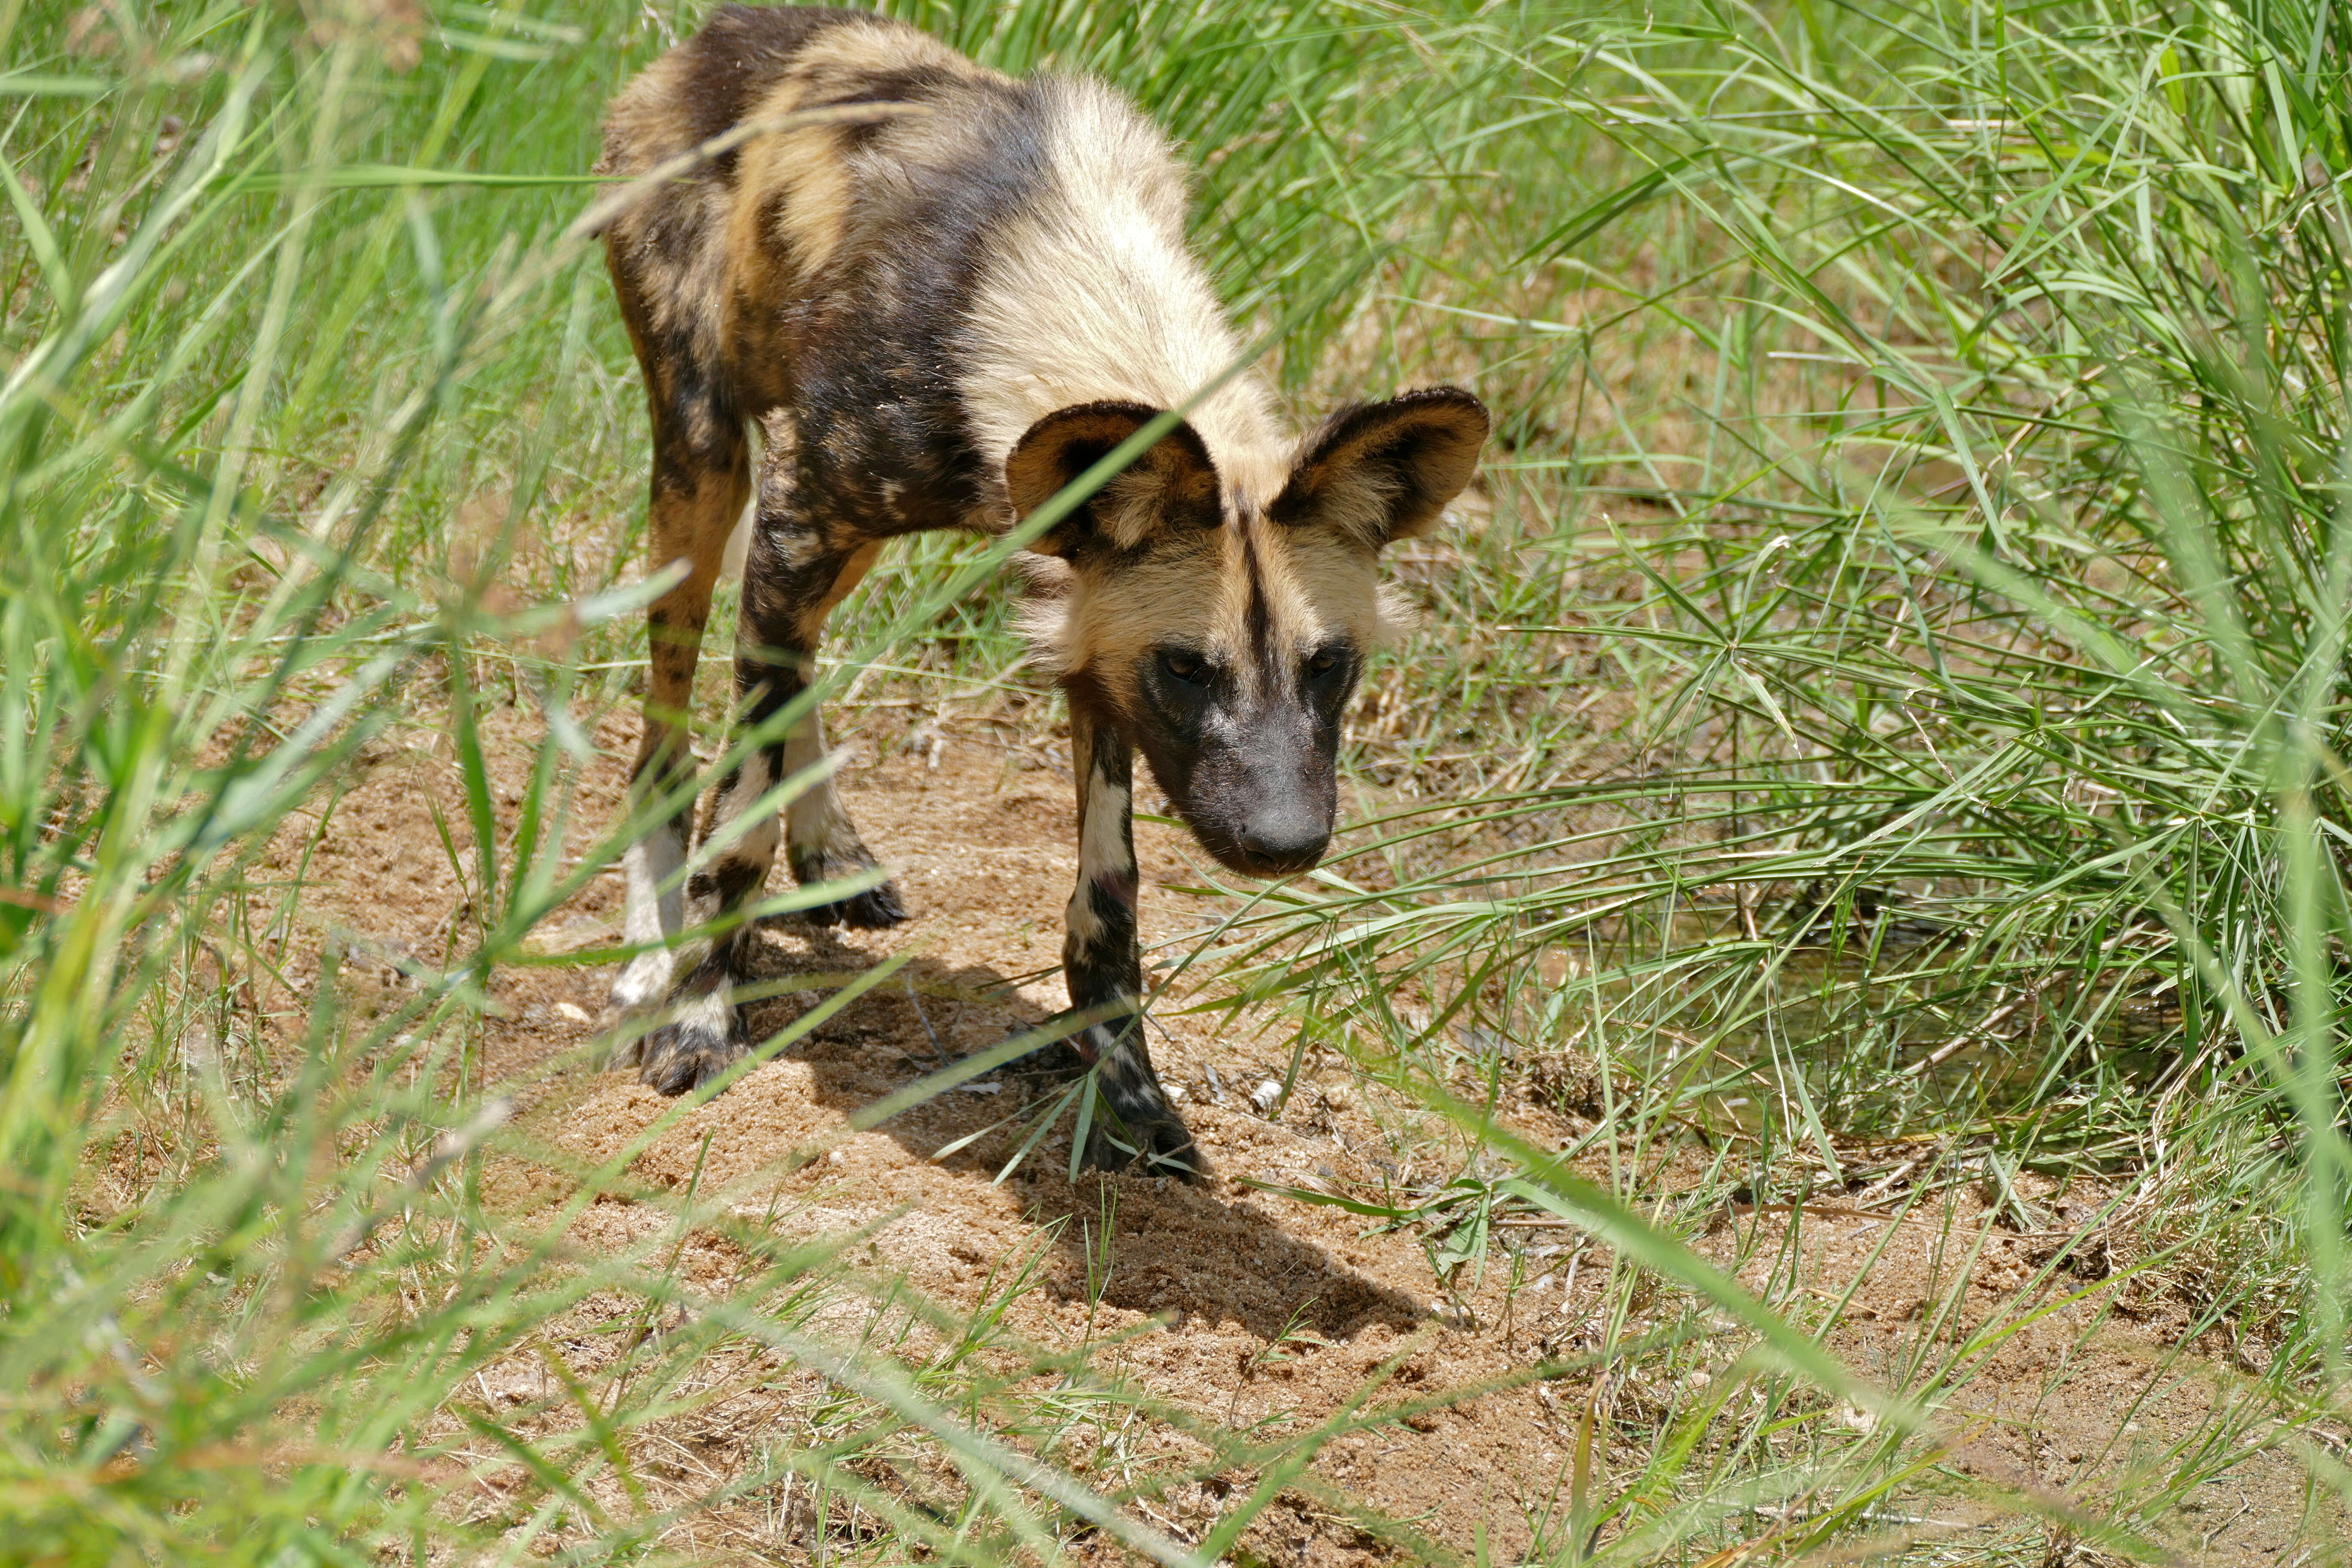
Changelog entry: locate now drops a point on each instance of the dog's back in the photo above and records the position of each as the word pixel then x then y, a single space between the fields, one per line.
pixel 920 288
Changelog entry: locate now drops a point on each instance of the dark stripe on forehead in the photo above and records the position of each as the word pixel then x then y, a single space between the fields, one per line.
pixel 1260 614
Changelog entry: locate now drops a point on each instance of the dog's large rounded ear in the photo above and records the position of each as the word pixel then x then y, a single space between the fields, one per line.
pixel 1171 485
pixel 1379 472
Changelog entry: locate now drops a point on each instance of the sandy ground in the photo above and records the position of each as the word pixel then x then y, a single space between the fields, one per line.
pixel 1232 1303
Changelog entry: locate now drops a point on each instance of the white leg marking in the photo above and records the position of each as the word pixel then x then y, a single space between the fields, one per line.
pixel 814 823
pixel 706 1021
pixel 654 915
pixel 739 843
pixel 1102 854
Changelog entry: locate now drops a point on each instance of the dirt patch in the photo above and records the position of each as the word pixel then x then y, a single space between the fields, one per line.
pixel 1234 1304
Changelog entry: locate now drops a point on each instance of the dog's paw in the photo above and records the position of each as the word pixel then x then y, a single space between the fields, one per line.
pixel 875 908
pixel 1153 1145
pixel 1140 1131
pixel 704 1040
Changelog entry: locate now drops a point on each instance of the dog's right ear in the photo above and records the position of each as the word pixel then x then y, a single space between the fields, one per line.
pixel 1379 472
pixel 1171 486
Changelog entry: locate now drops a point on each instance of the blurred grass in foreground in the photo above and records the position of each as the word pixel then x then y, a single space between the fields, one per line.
pixel 1910 620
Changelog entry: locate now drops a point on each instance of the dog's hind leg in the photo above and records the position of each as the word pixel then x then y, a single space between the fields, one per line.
pixel 794 575
pixel 801 566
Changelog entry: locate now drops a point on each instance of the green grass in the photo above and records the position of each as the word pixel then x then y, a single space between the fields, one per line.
pixel 1889 698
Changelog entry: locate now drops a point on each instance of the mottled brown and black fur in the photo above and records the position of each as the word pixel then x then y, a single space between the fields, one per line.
pixel 938 314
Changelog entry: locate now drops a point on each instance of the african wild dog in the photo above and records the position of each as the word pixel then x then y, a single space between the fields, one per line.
pixel 938 316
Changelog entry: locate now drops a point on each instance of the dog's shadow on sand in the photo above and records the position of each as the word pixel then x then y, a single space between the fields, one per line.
pixel 1176 1248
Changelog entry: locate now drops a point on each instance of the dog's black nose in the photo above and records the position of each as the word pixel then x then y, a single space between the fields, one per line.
pixel 1282 840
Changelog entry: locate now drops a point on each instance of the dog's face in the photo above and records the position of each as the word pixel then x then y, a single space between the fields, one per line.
pixel 1222 633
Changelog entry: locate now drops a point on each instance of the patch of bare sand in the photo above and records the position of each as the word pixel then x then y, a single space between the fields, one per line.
pixel 1211 1279
pixel 986 856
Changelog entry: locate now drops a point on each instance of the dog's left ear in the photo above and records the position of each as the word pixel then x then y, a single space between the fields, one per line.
pixel 1379 472
pixel 1172 486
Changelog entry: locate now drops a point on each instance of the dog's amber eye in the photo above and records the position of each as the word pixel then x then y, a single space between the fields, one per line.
pixel 1323 663
pixel 1185 667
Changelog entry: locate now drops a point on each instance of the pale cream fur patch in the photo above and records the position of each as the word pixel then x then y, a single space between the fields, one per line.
pixel 1395 619
pixel 1102 848
pixel 1196 593
pixel 803 182
pixel 1091 295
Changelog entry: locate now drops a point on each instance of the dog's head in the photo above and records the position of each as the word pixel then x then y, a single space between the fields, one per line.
pixel 1222 633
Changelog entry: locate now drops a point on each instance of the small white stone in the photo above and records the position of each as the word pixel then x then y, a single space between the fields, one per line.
pixel 833 1158
pixel 1265 1095
pixel 571 1010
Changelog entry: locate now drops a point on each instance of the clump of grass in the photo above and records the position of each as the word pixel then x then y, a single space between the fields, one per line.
pixel 1916 728
pixel 1889 692
pixel 1928 723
